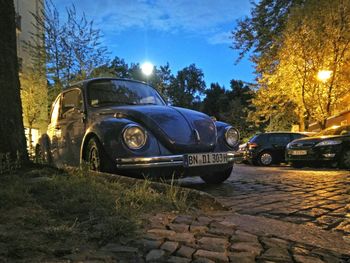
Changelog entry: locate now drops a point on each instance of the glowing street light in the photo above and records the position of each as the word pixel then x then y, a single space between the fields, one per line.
pixel 324 75
pixel 147 68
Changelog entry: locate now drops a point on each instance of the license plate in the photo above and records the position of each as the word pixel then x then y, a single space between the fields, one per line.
pixel 298 152
pixel 201 159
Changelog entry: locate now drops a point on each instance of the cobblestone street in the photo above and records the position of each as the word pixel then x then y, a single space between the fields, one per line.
pixel 303 196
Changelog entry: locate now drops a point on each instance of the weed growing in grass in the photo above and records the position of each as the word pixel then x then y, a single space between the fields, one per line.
pixel 178 196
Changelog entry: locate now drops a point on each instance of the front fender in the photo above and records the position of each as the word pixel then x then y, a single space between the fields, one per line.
pixel 109 133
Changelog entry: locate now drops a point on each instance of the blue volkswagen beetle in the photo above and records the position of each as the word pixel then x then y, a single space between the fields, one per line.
pixel 125 127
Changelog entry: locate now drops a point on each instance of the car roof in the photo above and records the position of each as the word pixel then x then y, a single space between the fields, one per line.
pixel 281 132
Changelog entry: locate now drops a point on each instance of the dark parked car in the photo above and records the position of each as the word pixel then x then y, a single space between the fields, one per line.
pixel 124 126
pixel 331 145
pixel 269 148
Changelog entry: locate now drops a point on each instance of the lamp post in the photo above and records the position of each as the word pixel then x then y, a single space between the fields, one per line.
pixel 324 75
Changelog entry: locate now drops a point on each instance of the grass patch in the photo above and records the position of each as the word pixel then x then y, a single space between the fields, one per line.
pixel 46 213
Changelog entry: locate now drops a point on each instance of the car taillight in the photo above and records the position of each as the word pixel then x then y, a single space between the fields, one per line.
pixel 252 145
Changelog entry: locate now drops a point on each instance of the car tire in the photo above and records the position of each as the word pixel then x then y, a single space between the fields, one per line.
pixel 345 159
pixel 297 164
pixel 218 177
pixel 265 158
pixel 96 157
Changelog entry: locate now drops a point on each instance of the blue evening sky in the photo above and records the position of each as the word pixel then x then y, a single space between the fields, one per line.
pixel 180 32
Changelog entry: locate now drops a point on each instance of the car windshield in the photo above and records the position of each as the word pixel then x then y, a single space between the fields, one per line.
pixel 335 130
pixel 122 92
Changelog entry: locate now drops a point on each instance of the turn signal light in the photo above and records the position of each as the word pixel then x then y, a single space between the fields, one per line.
pixel 252 145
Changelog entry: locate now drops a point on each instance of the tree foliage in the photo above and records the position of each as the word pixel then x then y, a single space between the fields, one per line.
pixel 232 106
pixel 73 47
pixel 186 87
pixel 289 48
pixel 317 37
pixel 259 34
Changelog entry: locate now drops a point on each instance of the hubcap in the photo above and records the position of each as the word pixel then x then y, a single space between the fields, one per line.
pixel 266 159
pixel 94 159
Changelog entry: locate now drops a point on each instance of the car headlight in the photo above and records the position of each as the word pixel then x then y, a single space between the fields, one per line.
pixel 134 137
pixel 231 136
pixel 328 142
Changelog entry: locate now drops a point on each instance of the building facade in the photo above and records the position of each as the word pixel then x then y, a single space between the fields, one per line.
pixel 341 115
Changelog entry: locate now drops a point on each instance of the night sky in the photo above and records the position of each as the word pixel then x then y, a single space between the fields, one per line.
pixel 180 32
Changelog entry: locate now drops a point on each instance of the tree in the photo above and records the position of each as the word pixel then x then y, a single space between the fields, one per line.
pixel 240 97
pixel 185 89
pixel 216 101
pixel 272 111
pixel 232 106
pixel 12 139
pixel 161 80
pixel 34 93
pixel 259 34
pixel 316 37
pixel 73 48
pixel 81 44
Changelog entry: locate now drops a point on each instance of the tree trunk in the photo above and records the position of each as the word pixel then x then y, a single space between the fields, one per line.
pixel 30 138
pixel 12 138
pixel 323 124
pixel 301 121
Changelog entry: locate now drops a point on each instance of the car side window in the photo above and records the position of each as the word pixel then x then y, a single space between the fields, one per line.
pixel 72 100
pixel 279 139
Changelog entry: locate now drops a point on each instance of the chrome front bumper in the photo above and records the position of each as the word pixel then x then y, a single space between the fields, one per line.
pixel 161 161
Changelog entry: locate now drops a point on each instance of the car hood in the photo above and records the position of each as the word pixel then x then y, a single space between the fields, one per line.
pixel 180 130
pixel 311 141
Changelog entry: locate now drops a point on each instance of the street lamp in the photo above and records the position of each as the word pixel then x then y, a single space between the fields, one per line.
pixel 324 75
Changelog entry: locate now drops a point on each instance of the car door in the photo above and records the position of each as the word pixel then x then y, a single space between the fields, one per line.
pixel 279 142
pixel 72 126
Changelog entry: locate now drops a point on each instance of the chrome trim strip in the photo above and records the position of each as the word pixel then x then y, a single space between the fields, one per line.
pixel 159 161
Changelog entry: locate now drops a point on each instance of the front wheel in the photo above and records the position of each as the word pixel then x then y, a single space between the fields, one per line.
pixel 265 159
pixel 217 177
pixel 345 159
pixel 96 158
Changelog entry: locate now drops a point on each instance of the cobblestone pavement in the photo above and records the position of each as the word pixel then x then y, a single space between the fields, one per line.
pixel 303 196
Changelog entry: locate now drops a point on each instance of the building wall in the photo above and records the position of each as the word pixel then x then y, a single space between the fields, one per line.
pixel 25 9
pixel 341 116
